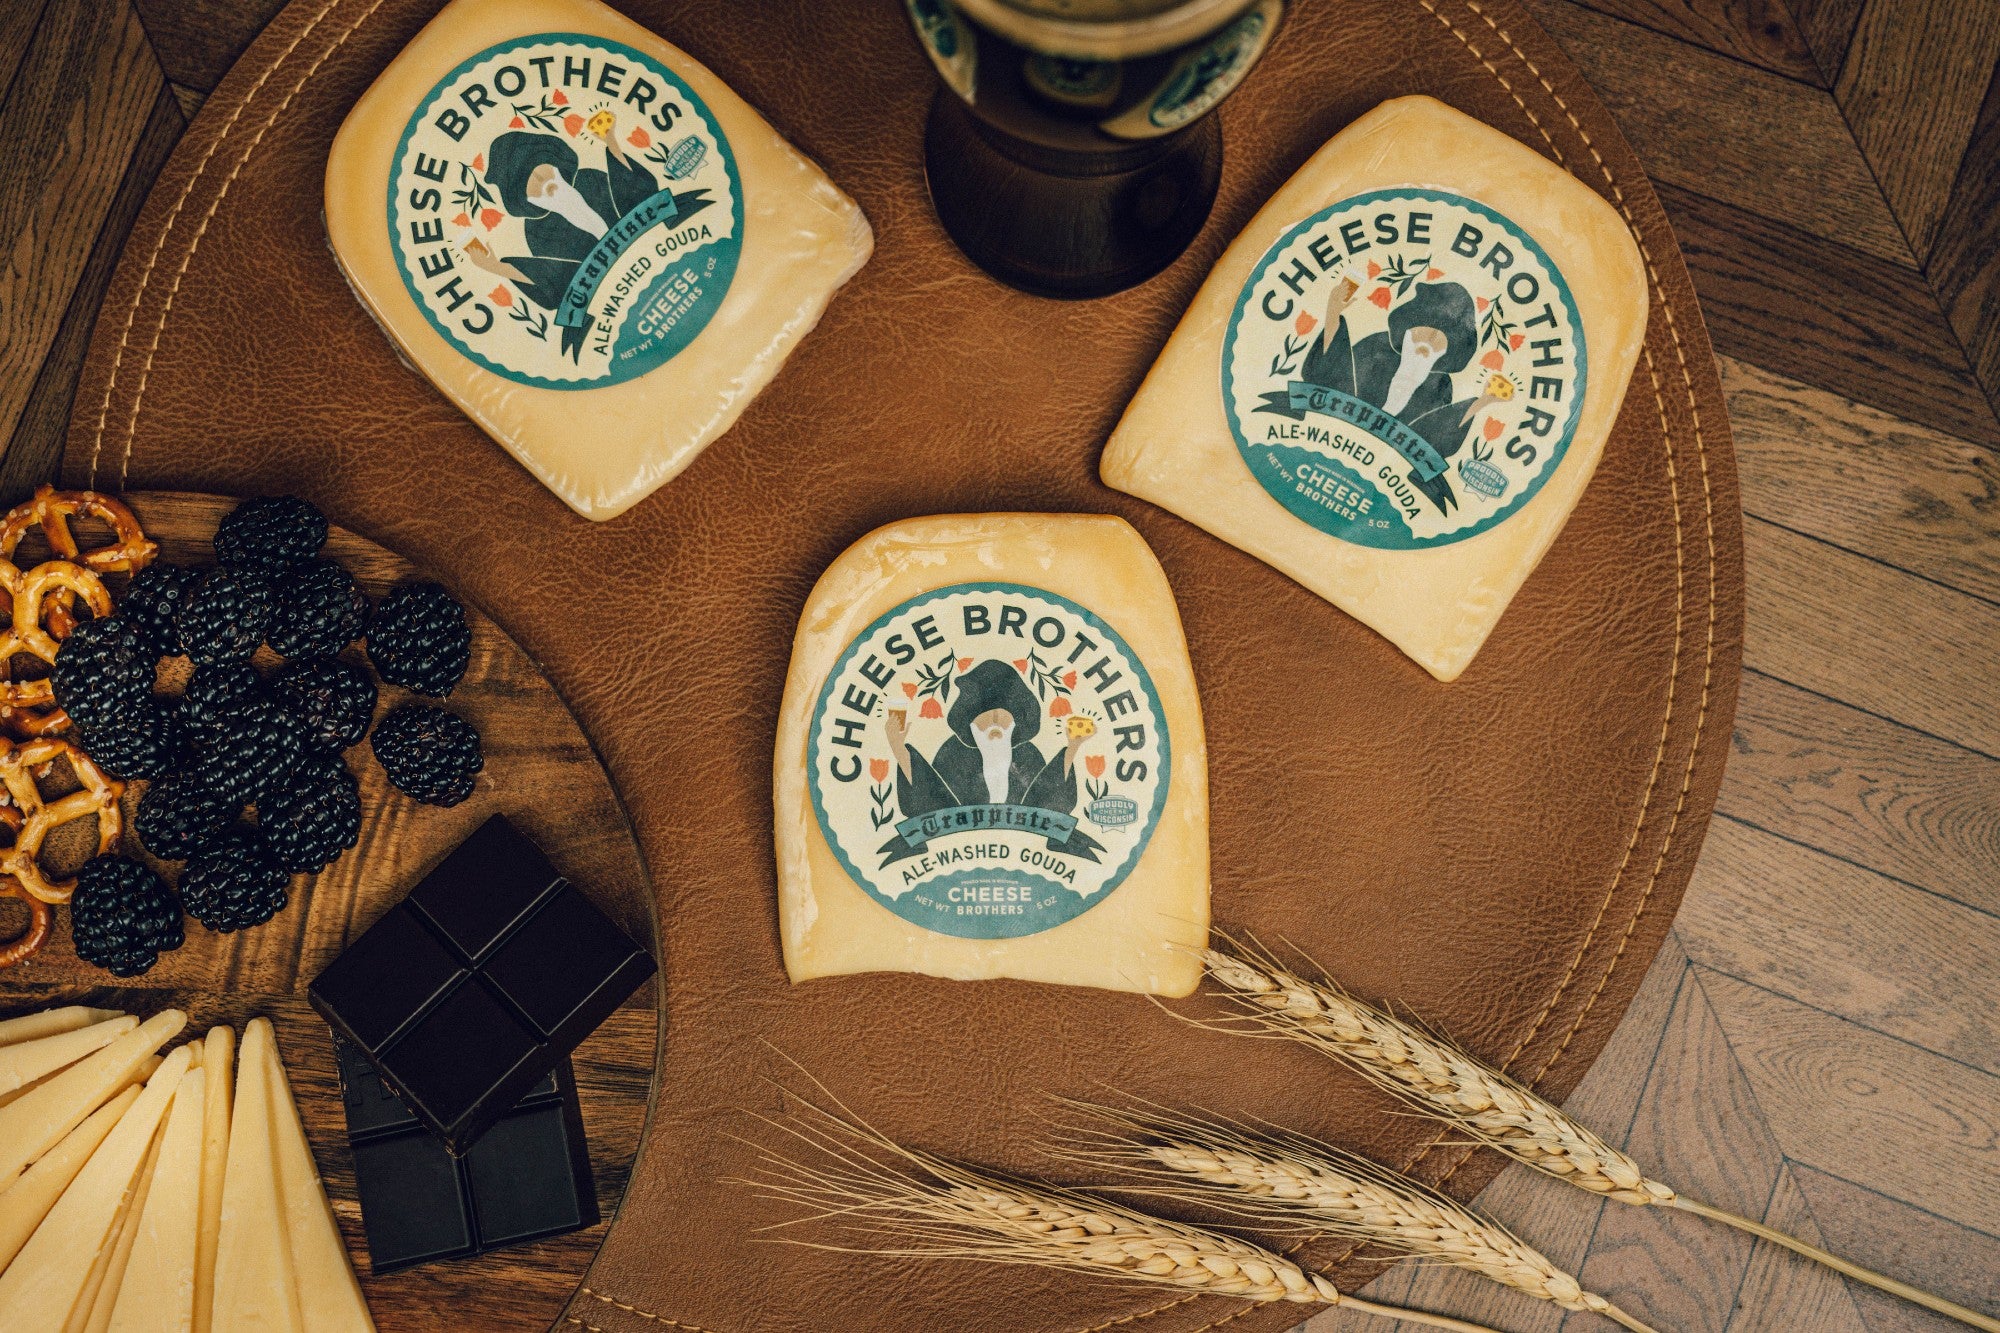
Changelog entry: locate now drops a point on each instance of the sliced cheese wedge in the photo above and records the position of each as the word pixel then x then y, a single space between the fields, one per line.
pixel 1398 379
pixel 92 1312
pixel 330 1299
pixel 27 1202
pixel 157 1293
pixel 36 1122
pixel 990 760
pixel 29 1061
pixel 256 1290
pixel 219 1065
pixel 48 1022
pixel 41 1287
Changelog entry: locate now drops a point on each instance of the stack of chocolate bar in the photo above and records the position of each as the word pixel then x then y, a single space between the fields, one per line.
pixel 455 1016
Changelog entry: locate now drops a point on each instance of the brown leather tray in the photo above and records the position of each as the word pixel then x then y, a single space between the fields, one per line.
pixel 1503 853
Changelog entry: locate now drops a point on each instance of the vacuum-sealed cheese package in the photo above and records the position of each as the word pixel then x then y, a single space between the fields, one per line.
pixel 1398 380
pixel 583 237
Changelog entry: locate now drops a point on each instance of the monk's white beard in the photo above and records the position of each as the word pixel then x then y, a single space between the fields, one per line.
pixel 1411 372
pixel 996 758
pixel 564 199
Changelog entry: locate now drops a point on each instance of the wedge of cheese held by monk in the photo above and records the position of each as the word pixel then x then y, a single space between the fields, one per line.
pixel 256 1289
pixel 41 1287
pixel 25 1062
pixel 330 1299
pixel 1398 379
pixel 25 1203
pixel 48 1022
pixel 583 238
pixel 990 760
pixel 157 1291
pixel 36 1122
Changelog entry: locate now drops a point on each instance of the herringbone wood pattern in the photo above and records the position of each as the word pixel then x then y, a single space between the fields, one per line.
pixel 1819 1044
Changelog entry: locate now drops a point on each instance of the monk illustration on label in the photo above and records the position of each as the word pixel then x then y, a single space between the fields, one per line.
pixel 991 757
pixel 567 209
pixel 1406 372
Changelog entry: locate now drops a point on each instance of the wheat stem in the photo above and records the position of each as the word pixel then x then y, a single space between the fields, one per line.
pixel 1436 1078
pixel 1840 1265
pixel 922 1206
pixel 1286 1179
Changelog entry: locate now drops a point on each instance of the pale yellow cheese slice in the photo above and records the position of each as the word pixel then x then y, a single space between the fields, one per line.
pixel 28 1061
pixel 1289 282
pixel 36 1122
pixel 604 447
pixel 218 1064
pixel 48 1022
pixel 156 1294
pixel 28 1200
pixel 256 1290
pixel 41 1287
pixel 1094 874
pixel 330 1299
pixel 92 1312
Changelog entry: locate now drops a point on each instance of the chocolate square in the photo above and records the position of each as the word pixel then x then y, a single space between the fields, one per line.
pixel 413 1201
pixel 567 968
pixel 530 1177
pixel 479 983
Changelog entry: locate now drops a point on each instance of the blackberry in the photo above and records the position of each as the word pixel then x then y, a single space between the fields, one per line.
pixel 419 639
pixel 254 751
pixel 429 754
pixel 233 880
pixel 270 533
pixel 144 741
pixel 213 693
pixel 224 617
pixel 334 700
pixel 103 669
pixel 150 603
pixel 123 916
pixel 320 610
pixel 314 816
pixel 178 812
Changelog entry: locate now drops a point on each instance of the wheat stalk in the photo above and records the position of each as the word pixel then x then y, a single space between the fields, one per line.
pixel 923 1206
pixel 1438 1079
pixel 1288 1179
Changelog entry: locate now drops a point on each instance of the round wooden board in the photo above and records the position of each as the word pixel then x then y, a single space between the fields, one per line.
pixel 542 774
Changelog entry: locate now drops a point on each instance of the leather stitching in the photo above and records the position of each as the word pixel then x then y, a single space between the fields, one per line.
pixel 1694 409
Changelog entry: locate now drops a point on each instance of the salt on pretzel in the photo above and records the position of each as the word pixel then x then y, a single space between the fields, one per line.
pixel 41 919
pixel 26 634
pixel 99 796
pixel 51 510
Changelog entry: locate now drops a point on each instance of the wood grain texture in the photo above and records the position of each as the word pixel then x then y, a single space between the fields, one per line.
pixel 1862 788
pixel 1735 133
pixel 1781 1292
pixel 31 455
pixel 1828 27
pixel 76 110
pixel 1827 315
pixel 1884 1233
pixel 198 40
pixel 1857 477
pixel 17 28
pixel 542 773
pixel 1762 32
pixel 1965 261
pixel 1911 87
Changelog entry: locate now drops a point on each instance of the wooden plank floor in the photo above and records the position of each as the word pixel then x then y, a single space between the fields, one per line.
pixel 1819 1044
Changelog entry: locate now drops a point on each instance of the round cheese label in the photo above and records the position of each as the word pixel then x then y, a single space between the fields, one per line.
pixel 1404 369
pixel 988 760
pixel 565 211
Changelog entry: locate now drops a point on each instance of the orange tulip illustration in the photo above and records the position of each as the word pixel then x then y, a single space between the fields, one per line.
pixel 878 769
pixel 930 709
pixel 1380 296
pixel 1304 324
pixel 1059 707
pixel 1493 360
pixel 909 689
pixel 965 664
pixel 1095 763
pixel 1069 679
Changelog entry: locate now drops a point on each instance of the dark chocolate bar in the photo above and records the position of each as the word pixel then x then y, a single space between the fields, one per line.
pixel 526 1179
pixel 478 983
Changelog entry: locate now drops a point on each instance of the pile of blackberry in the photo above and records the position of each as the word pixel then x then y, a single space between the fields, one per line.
pixel 247 781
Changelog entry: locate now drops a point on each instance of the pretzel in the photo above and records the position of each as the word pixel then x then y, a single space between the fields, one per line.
pixel 99 796
pixel 24 724
pixel 26 634
pixel 51 511
pixel 41 917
